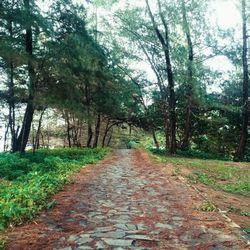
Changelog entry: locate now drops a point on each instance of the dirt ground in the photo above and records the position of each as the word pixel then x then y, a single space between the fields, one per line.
pixel 128 202
pixel 223 200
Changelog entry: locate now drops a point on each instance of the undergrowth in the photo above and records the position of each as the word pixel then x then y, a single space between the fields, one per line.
pixel 28 180
pixel 192 154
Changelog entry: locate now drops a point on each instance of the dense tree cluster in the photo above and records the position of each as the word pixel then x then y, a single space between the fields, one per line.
pixel 50 60
pixel 176 39
pixel 85 70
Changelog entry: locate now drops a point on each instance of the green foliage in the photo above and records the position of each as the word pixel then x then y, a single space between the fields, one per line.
pixel 207 206
pixel 132 144
pixel 242 186
pixel 239 211
pixel 2 242
pixel 246 230
pixel 23 197
pixel 12 166
pixel 191 153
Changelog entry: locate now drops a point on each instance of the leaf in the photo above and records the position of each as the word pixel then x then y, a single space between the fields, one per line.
pixel 51 204
pixel 246 230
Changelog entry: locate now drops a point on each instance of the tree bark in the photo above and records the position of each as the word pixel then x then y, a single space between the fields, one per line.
pixel 11 93
pixel 90 135
pixel 28 117
pixel 110 138
pixel 164 40
pixel 245 112
pixel 68 129
pixel 88 102
pixel 97 130
pixel 188 122
pixel 155 139
pixel 37 144
pixel 5 145
pixel 105 133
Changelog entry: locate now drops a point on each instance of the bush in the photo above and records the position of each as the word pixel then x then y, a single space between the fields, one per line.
pixel 12 166
pixel 132 144
pixel 191 154
pixel 36 177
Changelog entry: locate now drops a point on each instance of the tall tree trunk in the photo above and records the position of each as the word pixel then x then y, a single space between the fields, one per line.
pixel 105 133
pixel 68 129
pixel 188 123
pixel 245 112
pixel 97 130
pixel 88 102
pixel 5 145
pixel 28 117
pixel 36 144
pixel 166 126
pixel 155 139
pixel 188 128
pixel 25 131
pixel 164 40
pixel 11 97
pixel 110 137
pixel 90 135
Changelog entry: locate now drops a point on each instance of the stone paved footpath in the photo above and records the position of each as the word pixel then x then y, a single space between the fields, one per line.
pixel 126 202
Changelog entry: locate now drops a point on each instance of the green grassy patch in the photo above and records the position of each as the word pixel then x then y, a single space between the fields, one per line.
pixel 221 175
pixel 28 180
pixel 239 211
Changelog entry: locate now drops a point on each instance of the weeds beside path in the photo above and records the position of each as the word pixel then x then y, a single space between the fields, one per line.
pixel 225 184
pixel 28 180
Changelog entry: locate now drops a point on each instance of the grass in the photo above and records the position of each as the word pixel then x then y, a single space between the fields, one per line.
pixel 221 175
pixel 207 206
pixel 28 180
pixel 239 211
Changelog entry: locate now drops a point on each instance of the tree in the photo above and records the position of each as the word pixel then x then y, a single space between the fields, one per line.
pixel 245 106
pixel 28 116
pixel 164 40
pixel 190 81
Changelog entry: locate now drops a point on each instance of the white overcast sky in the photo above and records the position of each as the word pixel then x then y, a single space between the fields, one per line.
pixel 224 13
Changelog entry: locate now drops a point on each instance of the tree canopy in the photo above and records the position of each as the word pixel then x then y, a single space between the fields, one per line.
pixel 105 63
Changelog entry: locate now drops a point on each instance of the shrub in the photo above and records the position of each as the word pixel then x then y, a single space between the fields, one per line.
pixel 35 177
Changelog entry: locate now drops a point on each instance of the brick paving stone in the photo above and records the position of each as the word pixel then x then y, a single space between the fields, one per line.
pixel 118 242
pixel 164 226
pixel 84 248
pixel 139 237
pixel 83 241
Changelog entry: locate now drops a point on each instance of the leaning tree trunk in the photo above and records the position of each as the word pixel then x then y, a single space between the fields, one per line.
pixel 11 97
pixel 37 138
pixel 245 112
pixel 164 40
pixel 105 133
pixel 110 138
pixel 28 117
pixel 188 123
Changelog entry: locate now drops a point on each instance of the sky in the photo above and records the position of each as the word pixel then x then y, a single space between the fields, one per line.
pixel 225 11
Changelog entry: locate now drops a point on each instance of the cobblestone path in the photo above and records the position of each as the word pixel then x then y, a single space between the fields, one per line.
pixel 126 203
